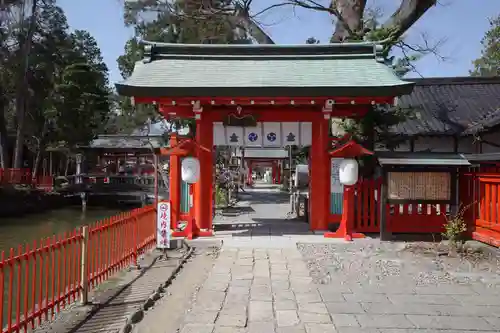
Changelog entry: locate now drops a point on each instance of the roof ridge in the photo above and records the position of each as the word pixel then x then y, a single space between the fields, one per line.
pixel 346 44
pixel 460 80
pixel 154 51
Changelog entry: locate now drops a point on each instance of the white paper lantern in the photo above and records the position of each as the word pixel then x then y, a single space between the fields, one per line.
pixel 348 172
pixel 190 170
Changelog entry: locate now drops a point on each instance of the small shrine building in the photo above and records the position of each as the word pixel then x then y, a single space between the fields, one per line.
pixel 286 92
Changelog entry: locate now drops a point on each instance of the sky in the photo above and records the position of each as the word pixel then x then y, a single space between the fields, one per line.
pixel 461 24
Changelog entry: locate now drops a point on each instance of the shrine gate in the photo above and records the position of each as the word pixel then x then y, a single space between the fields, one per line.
pixel 262 96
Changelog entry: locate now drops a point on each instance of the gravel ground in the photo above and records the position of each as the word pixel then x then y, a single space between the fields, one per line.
pixel 371 262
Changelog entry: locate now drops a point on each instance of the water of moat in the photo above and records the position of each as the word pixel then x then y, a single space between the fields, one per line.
pixel 21 230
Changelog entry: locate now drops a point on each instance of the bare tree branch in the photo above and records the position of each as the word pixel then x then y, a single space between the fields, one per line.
pixel 409 12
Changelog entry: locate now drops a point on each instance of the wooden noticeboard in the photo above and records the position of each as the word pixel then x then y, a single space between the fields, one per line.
pixel 415 186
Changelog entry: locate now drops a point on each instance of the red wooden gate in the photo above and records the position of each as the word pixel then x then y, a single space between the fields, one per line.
pixel 367 205
pixel 400 218
pixel 481 192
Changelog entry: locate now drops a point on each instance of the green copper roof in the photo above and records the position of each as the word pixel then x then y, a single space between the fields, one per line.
pixel 179 70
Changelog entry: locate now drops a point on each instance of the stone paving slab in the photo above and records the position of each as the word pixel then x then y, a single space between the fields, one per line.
pixel 116 299
pixel 265 282
pixel 270 290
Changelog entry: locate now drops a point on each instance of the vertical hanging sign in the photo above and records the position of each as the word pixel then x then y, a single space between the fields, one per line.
pixel 336 187
pixel 335 184
pixel 163 225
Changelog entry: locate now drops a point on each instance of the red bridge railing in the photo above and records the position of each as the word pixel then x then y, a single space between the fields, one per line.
pixel 15 176
pixel 41 279
pixel 24 176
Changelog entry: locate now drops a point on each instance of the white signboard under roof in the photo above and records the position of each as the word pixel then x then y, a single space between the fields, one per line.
pixel 264 134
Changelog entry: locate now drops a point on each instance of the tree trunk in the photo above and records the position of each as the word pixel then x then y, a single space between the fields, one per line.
pixel 22 89
pixel 4 139
pixel 350 25
pixel 36 165
pixel 40 150
pixel 409 12
pixel 66 169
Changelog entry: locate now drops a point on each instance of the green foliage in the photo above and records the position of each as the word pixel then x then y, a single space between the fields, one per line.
pixel 220 196
pixel 178 21
pixel 312 40
pixel 67 89
pixel 455 227
pixel 79 90
pixel 374 128
pixel 489 62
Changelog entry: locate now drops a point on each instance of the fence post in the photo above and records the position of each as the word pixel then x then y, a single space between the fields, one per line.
pixel 136 239
pixel 84 288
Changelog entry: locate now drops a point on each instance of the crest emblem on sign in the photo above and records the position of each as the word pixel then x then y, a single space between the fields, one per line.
pixel 253 137
pixel 271 137
pixel 290 137
pixel 233 138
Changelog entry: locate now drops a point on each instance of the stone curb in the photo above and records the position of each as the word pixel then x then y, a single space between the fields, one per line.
pixel 135 317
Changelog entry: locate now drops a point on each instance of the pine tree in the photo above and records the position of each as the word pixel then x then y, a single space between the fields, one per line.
pixel 185 21
pixel 489 62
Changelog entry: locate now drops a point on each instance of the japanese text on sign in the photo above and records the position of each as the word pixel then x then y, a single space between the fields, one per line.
pixel 335 184
pixel 419 186
pixel 163 225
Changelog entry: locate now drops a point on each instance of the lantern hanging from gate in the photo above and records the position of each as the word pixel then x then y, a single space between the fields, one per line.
pixel 190 170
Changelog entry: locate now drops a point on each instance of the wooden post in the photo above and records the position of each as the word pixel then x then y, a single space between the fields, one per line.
pixel 290 169
pixel 320 174
pixel 383 207
pixel 297 203
pixel 136 239
pixel 174 184
pixel 156 171
pixel 191 219
pixel 51 172
pixel 84 278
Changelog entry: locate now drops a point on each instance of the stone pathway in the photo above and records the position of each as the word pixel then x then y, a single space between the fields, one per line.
pixel 261 219
pixel 258 290
pixel 264 283
pixel 169 312
pixel 271 290
pixel 116 299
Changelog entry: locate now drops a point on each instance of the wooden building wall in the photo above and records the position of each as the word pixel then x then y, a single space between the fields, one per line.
pixel 443 144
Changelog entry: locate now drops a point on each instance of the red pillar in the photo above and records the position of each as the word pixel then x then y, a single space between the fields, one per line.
pixel 346 228
pixel 273 173
pixel 249 174
pixel 278 173
pixel 203 188
pixel 174 184
pixel 320 175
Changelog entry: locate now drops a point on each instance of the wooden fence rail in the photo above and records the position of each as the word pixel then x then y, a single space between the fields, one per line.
pixel 481 192
pixel 39 280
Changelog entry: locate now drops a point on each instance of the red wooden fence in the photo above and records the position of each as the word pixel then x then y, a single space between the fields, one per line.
pixel 15 176
pixel 367 206
pixel 416 218
pixel 478 192
pixel 400 218
pixel 481 192
pixel 25 177
pixel 38 280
